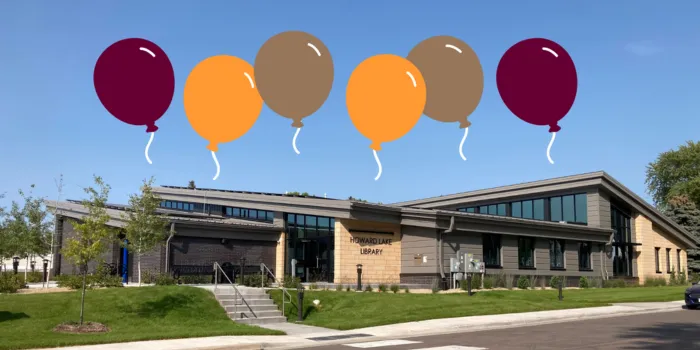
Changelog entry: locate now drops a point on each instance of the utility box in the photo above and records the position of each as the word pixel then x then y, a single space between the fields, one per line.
pixel 455 265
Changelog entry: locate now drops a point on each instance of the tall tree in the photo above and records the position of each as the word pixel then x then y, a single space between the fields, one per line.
pixel 685 213
pixel 4 239
pixel 145 229
pixel 91 234
pixel 675 173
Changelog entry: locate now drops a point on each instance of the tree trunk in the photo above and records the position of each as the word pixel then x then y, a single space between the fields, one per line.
pixel 26 267
pixel 138 257
pixel 82 297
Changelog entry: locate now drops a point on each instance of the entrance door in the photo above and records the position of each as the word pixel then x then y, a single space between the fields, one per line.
pixel 316 261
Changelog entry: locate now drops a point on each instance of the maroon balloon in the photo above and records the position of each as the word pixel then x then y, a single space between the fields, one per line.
pixel 134 80
pixel 537 81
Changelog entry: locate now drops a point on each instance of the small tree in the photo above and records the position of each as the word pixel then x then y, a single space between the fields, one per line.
pixel 17 232
pixel 191 185
pixel 38 226
pixel 91 234
pixel 145 229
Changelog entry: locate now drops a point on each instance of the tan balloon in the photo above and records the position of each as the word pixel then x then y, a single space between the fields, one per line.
pixel 453 77
pixel 294 74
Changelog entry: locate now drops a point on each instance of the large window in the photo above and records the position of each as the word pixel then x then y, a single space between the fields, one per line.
pixel 526 253
pixel 622 242
pixel 556 254
pixel 492 250
pixel 250 214
pixel 571 208
pixel 656 260
pixel 529 209
pixel 584 256
pixel 668 260
pixel 310 240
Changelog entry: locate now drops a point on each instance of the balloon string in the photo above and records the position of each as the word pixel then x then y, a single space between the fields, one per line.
pixel 379 164
pixel 149 146
pixel 554 135
pixel 294 140
pixel 461 144
pixel 218 168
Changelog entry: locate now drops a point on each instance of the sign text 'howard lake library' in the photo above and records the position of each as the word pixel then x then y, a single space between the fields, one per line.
pixel 372 241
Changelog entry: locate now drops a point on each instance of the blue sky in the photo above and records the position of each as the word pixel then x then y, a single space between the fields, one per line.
pixel 637 65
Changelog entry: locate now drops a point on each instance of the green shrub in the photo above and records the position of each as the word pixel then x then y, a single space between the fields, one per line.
pixel 73 281
pixel 476 281
pixel 682 278
pixel 596 282
pixel 164 280
pixel 202 279
pixel 523 282
pixel 11 283
pixel 35 277
pixel 339 288
pixel 614 283
pixel 533 280
pixel 488 282
pixel 673 278
pixel 655 282
pixel 583 282
pixel 383 288
pixel 509 279
pixel 499 280
pixel 313 286
pixel 291 282
pixel 394 288
pixel 104 279
pixel 554 282
pixel 347 289
pixel 368 288
pixel 406 290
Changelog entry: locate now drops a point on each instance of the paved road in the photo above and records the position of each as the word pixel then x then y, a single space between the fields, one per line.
pixel 668 331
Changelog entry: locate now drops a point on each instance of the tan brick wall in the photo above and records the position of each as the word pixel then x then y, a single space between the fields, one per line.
pixel 651 237
pixel 279 256
pixel 381 268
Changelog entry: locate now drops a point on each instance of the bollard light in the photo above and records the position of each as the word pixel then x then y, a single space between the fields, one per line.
pixel 243 271
pixel 15 263
pixel 300 303
pixel 469 284
pixel 46 269
pixel 359 277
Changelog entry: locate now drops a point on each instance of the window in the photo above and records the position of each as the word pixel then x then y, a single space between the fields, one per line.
pixel 622 242
pixel 678 260
pixel 556 254
pixel 658 264
pixel 526 253
pixel 516 209
pixel 501 209
pixel 530 209
pixel 471 210
pixel 492 250
pixel 250 214
pixel 570 208
pixel 668 260
pixel 584 256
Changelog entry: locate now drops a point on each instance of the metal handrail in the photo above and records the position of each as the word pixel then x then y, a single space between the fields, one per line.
pixel 280 286
pixel 218 268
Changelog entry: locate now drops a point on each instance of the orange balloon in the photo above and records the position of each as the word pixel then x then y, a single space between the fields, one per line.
pixel 385 97
pixel 221 100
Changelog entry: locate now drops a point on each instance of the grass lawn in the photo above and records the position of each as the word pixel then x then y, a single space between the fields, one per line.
pixel 350 310
pixel 146 313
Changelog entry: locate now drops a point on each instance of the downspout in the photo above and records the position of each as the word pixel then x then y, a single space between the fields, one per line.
pixel 167 247
pixel 441 247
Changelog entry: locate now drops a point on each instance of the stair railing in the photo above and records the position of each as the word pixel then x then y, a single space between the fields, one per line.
pixel 280 286
pixel 236 292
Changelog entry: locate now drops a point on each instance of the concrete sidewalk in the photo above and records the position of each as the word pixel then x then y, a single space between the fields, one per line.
pixel 301 336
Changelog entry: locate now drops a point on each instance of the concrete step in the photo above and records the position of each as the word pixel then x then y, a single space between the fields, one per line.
pixel 244 293
pixel 248 314
pixel 251 302
pixel 256 308
pixel 262 320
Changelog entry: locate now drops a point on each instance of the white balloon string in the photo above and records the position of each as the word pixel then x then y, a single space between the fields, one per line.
pixel 461 144
pixel 379 164
pixel 294 140
pixel 149 146
pixel 554 135
pixel 218 168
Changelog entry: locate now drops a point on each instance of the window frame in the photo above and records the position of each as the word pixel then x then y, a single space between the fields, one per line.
pixel 678 259
pixel 668 260
pixel 657 251
pixel 532 241
pixel 589 256
pixel 559 200
pixel 562 245
pixel 499 250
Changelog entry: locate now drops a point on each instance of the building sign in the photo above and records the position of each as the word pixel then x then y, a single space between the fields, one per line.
pixel 371 241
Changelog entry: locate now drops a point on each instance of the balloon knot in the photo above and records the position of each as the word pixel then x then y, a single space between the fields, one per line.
pixel 554 128
pixel 297 124
pixel 464 124
pixel 151 128
pixel 376 146
pixel 213 147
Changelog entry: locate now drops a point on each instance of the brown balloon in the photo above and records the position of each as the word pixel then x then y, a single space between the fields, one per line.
pixel 453 78
pixel 294 74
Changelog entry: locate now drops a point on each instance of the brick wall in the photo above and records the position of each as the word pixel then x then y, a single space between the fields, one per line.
pixel 381 261
pixel 206 251
pixel 65 266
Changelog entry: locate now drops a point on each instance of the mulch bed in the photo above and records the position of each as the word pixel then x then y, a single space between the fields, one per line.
pixel 87 327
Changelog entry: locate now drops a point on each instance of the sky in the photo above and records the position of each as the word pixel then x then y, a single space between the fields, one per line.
pixel 637 65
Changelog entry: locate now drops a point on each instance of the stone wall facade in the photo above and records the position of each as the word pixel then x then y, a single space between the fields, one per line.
pixel 377 246
pixel 651 238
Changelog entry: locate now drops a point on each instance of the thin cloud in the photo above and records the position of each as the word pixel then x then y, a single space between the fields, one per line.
pixel 643 48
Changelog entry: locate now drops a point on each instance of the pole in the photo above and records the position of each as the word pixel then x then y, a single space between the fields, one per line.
pixel 561 283
pixel 469 284
pixel 300 304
